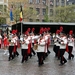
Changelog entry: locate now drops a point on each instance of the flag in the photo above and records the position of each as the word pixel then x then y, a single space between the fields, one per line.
pixel 21 14
pixel 11 15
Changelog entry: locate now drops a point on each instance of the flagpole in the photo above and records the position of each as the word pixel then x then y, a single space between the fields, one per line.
pixel 21 19
pixel 21 27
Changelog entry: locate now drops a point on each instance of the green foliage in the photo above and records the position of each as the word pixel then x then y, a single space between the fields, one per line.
pixel 2 20
pixel 65 14
pixel 46 16
pixel 29 13
pixel 16 15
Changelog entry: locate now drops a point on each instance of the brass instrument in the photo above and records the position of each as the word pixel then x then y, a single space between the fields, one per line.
pixel 10 42
pixel 35 46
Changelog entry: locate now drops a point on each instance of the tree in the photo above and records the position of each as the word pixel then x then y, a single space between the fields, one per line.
pixel 29 12
pixel 46 16
pixel 65 14
pixel 2 20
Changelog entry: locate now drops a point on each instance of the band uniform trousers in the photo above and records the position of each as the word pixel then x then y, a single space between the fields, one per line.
pixel 24 55
pixel 16 52
pixel 40 56
pixel 62 59
pixel 70 48
pixel 11 52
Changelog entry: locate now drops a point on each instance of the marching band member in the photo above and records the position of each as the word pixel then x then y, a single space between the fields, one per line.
pixel 41 50
pixel 56 44
pixel 32 41
pixel 15 46
pixel 24 48
pixel 5 40
pixel 29 45
pixel 63 43
pixel 0 40
pixel 70 45
pixel 36 42
pixel 11 47
pixel 48 40
pixel 15 38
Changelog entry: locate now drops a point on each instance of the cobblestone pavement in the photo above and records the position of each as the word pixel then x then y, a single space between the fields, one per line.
pixel 50 67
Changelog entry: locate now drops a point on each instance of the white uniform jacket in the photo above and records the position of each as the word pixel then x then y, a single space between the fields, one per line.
pixel 12 42
pixel 71 42
pixel 41 46
pixel 63 42
pixel 24 44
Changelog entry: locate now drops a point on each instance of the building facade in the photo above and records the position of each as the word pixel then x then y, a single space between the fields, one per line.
pixel 42 7
pixel 3 10
pixel 3 6
pixel 70 2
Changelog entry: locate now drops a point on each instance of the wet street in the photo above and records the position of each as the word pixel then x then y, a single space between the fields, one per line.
pixel 50 67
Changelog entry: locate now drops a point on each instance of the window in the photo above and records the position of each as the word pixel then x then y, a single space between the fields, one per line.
pixel 51 20
pixel 70 3
pixel 30 1
pixel 31 8
pixel 57 2
pixel 44 11
pixel 43 20
pixel 5 8
pixel 30 20
pixel 37 1
pixel 62 2
pixel 38 11
pixel 51 12
pixel 1 8
pixel 44 1
pixel 37 20
pixel 51 3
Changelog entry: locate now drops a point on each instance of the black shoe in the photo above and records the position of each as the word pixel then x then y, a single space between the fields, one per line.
pixel 12 57
pixel 73 57
pixel 65 62
pixel 49 52
pixel 34 54
pixel 26 59
pixel 58 58
pixel 61 64
pixel 22 61
pixel 39 65
pixel 42 63
pixel 69 58
pixel 17 55
pixel 30 56
pixel 9 59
